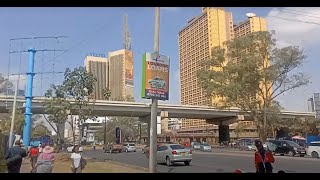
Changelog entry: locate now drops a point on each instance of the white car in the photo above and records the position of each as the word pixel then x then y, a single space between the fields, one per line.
pixel 314 149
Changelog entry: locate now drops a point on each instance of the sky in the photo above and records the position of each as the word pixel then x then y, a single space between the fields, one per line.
pixel 99 30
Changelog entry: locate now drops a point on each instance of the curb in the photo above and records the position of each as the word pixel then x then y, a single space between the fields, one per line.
pixel 127 165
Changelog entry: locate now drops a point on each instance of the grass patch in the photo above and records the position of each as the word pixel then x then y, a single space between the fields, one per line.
pixel 62 164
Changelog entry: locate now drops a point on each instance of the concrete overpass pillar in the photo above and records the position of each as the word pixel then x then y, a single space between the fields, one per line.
pixel 224 134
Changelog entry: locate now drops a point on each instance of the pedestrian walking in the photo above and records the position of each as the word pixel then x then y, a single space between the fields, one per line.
pixel 33 155
pixel 14 158
pixel 78 163
pixel 263 159
pixel 45 160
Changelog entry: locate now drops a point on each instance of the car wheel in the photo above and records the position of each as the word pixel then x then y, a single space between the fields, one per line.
pixel 315 154
pixel 301 155
pixel 168 161
pixel 187 163
pixel 291 153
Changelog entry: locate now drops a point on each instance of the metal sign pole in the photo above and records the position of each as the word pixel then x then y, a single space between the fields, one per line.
pixel 154 105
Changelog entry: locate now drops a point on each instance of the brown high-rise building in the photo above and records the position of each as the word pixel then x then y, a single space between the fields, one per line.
pixel 98 66
pixel 253 24
pixel 121 74
pixel 210 29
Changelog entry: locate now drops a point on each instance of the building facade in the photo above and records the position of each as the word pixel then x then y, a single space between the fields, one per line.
pixel 97 65
pixel 121 74
pixel 210 29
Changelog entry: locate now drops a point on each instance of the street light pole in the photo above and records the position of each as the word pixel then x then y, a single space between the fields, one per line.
pixel 154 105
pixel 13 112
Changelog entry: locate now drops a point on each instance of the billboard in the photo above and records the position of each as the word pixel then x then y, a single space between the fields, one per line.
pixel 155 76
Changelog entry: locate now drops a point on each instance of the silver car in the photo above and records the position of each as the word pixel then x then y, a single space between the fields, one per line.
pixel 171 153
pixel 129 147
pixel 205 147
pixel 196 146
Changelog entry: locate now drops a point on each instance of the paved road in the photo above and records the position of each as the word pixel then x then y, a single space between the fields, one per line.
pixel 220 161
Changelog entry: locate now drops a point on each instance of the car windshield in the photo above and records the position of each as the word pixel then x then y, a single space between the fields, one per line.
pixel 175 147
pixel 131 145
pixel 206 144
pixel 196 144
pixel 293 144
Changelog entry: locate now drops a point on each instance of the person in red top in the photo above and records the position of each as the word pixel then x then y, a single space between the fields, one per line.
pixel 263 159
pixel 33 154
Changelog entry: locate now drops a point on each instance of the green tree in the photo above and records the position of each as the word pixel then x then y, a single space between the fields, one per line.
pixel 106 93
pixel 74 96
pixel 5 122
pixel 78 85
pixel 240 128
pixel 39 129
pixel 4 84
pixel 250 72
pixel 57 108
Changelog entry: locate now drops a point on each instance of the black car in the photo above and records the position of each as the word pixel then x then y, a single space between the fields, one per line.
pixel 288 147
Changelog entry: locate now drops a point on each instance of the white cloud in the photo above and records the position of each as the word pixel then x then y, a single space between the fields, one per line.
pixel 289 29
pixel 169 8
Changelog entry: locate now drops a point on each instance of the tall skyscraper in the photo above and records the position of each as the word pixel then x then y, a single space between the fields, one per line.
pixel 252 24
pixel 121 68
pixel 121 74
pixel 210 29
pixel 97 64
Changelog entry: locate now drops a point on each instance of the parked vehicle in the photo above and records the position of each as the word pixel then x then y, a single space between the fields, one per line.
pixel 112 148
pixel 171 153
pixel 144 150
pixel 196 146
pixel 129 147
pixel 246 145
pixel 147 150
pixel 288 147
pixel 314 149
pixel 205 147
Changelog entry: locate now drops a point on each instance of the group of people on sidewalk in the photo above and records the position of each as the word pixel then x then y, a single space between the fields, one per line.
pixel 41 158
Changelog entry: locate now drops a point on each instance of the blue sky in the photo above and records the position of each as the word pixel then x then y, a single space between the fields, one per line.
pixel 99 30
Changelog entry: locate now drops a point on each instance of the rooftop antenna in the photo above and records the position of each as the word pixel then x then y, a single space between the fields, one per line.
pixel 126 34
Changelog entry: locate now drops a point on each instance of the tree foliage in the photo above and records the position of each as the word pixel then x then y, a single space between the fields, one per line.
pixel 250 72
pixel 39 129
pixel 4 84
pixel 240 128
pixel 74 96
pixel 5 122
pixel 106 93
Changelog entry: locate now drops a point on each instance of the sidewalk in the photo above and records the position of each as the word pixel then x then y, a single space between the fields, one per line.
pixel 62 164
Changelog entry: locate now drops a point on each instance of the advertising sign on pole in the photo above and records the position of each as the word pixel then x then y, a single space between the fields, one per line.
pixel 155 76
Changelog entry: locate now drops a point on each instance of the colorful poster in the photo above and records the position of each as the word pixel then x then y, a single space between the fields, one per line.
pixel 155 76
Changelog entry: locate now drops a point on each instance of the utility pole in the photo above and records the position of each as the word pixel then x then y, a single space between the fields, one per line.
pixel 154 105
pixel 13 113
pixel 28 113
